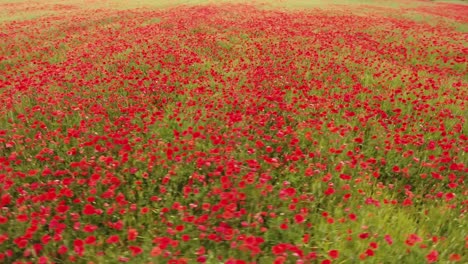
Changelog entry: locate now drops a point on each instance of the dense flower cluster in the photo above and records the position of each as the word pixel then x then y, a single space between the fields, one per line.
pixel 232 133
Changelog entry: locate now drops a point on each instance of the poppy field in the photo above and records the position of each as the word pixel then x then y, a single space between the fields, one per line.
pixel 233 131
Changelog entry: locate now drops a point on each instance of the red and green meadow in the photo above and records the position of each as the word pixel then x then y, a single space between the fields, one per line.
pixel 233 132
